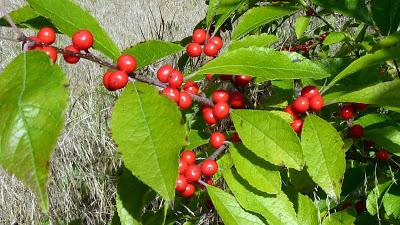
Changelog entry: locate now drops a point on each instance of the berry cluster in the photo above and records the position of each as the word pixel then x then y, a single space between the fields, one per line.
pixel 46 36
pixel 202 42
pixel 82 40
pixel 114 80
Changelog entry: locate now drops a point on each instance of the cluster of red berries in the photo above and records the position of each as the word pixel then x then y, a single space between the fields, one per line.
pixel 310 99
pixel 190 173
pixel 203 43
pixel 114 80
pixel 300 48
pixel 347 112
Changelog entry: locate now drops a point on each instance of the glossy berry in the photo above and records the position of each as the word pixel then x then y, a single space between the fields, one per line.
pixel 208 116
pixel 209 167
pixel 71 58
pixel 164 72
pixel 172 93
pixel 309 91
pixel 220 96
pixel 217 41
pixel 356 131
pixel 175 79
pixel 106 78
pixel 289 109
pixel 185 100
pixel 118 80
pixel 189 157
pixel 191 87
pixel 301 104
pixel 182 166
pixel 210 49
pixel 199 36
pixel 242 80
pixel 221 110
pixel 82 39
pixel 181 183
pixel 209 77
pixel 360 106
pixel 297 125
pixel 193 173
pixel 194 50
pixel 217 139
pixel 382 155
pixel 46 35
pixel 316 103
pixel 360 206
pixel 235 137
pixel 189 191
pixel 346 112
pixel 237 100
pixel 225 77
pixel 127 63
pixel 51 52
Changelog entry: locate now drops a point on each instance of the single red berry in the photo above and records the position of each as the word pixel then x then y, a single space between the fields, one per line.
pixel 51 52
pixel 164 72
pixel 225 77
pixel 237 100
pixel 297 125
pixel 208 116
pixel 360 206
pixel 211 49
pixel 118 80
pixel 323 36
pixel 289 109
pixel 242 80
pixel 127 63
pixel 220 96
pixel 356 131
pixel 304 49
pixel 175 79
pixel 172 93
pixel 189 191
pixel 346 112
pixel 181 183
pixel 106 78
pixel 182 166
pixel 208 181
pixel 316 103
pixel 35 46
pixel 189 157
pixel 199 36
pixel 221 110
pixel 217 41
pixel 235 137
pixel 83 39
pixel 209 77
pixel 310 12
pixel 360 106
pixel 301 104
pixel 209 167
pixel 309 91
pixel 185 100
pixel 193 173
pixel 382 155
pixel 46 35
pixel 217 139
pixel 368 145
pixel 194 50
pixel 191 87
pixel 71 58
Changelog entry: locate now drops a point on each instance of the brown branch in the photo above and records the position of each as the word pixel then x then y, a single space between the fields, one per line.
pixel 220 150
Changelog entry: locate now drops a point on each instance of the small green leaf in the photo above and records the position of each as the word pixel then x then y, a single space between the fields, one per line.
pixel 149 52
pixel 374 120
pixel 269 136
pixel 353 8
pixel 229 209
pixel 334 38
pixel 386 15
pixel 259 16
pixel 69 17
pixel 324 155
pixel 261 40
pixel 301 25
pixel 30 121
pixel 26 17
pixel 307 211
pixel 391 201
pixel 197 138
pixel 339 218
pixel 225 9
pixel 149 147
pixel 374 198
pixel 387 137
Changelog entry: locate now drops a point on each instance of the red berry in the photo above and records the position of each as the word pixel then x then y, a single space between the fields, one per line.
pixel 323 36
pixel 46 35
pixel 360 106
pixel 182 166
pixel 310 12
pixel 185 100
pixel 199 36
pixel 208 116
pixel 217 41
pixel 172 93
pixel 117 80
pixel 211 49
pixel 175 79
pixel 235 137
pixel 193 50
pixel 242 80
pixel 71 58
pixel 346 205
pixel 82 39
pixel 289 109
pixel 36 46
pixel 51 52
pixel 221 110
pixel 357 131
pixel 164 72
pixel 316 103
pixel 237 100
pixel 191 87
pixel 297 125
pixel 309 91
pixel 360 206
pixel 189 157
pixel 225 77
pixel 346 112
pixel 193 173
pixel 209 167
pixel 301 104
pixel 127 63
pixel 181 183
pixel 220 96
pixel 209 77
pixel 106 78
pixel 189 191
pixel 217 139
pixel 208 181
pixel 382 155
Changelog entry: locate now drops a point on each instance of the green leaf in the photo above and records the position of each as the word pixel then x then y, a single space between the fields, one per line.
pixel 276 209
pixel 69 17
pixel 30 121
pixel 391 201
pixel 26 17
pixel 269 136
pixel 334 38
pixel 353 8
pixel 197 138
pixel 149 145
pixel 259 173
pixel 259 16
pixel 387 137
pixel 155 217
pixel 149 52
pixel 386 15
pixel 262 40
pixel 212 11
pixel 132 196
pixel 229 209
pixel 324 155
pixel 225 9
pixel 307 211
pixel 374 120
pixel 339 218
pixel 301 25
pixel 374 198
pixel 263 63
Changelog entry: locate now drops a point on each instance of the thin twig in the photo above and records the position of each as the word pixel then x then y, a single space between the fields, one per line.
pixel 220 150
pixel 21 35
pixel 325 21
